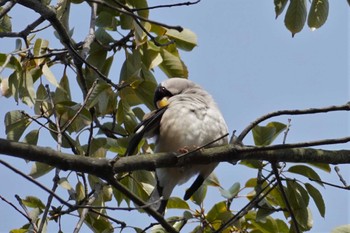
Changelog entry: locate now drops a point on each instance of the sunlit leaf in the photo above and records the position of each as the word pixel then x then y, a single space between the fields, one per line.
pixel 214 214
pixel 295 16
pixel 317 197
pixel 177 203
pixel 185 40
pixel 318 14
pixel 323 166
pixel 33 202
pixel 172 65
pixel 265 135
pixel 343 228
pixel 40 49
pixel 49 75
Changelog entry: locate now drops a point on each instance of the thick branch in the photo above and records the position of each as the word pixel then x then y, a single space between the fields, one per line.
pixel 229 153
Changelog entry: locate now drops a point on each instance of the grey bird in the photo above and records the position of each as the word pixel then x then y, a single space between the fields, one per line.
pixel 186 116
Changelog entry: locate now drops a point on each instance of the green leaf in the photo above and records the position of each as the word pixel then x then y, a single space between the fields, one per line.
pixel 279 6
pixel 317 197
pixel 32 137
pixel 63 92
pixel 177 203
pixel 185 40
pixel 212 180
pixel 231 192
pixel 126 116
pixel 295 16
pixel 103 99
pixel 11 62
pixel 217 214
pixel 107 21
pixel 39 169
pixel 305 171
pixel 40 48
pixel 151 55
pixel 256 164
pixel 199 196
pixel 33 202
pixel 298 199
pixel 5 23
pixel 323 166
pixel 265 135
pixel 79 191
pixel 15 124
pixel 343 228
pixel 49 75
pixel 172 65
pixel 318 14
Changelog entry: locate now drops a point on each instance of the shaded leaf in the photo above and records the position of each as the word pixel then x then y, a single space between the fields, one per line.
pixel 32 137
pixel 39 169
pixel 279 6
pixel 305 171
pixel 295 16
pixel 5 23
pixel 199 196
pixel 318 14
pixel 15 124
pixel 297 198
pixel 317 197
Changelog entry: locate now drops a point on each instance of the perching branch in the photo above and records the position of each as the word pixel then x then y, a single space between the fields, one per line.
pixel 101 166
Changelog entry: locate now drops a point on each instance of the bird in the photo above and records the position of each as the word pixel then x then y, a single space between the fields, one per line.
pixel 186 116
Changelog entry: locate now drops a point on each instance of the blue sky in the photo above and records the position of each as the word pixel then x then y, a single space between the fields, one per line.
pixel 252 66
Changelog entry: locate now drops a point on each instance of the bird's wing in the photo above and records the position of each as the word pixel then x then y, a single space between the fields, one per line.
pixel 147 127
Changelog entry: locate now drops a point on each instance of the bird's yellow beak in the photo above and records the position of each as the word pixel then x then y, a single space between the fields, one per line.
pixel 163 102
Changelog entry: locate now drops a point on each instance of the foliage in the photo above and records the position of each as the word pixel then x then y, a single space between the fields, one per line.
pixel 86 110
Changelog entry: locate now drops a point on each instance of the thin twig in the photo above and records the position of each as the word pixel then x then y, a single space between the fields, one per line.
pixel 31 221
pixel 284 196
pixel 166 6
pixel 178 28
pixel 337 170
pixel 88 94
pixel 15 207
pixel 345 107
pixel 36 183
pixel 256 199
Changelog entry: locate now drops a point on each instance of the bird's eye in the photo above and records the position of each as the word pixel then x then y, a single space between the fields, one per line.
pixel 160 93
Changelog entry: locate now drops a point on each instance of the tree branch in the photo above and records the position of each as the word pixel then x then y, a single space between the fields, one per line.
pixel 228 153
